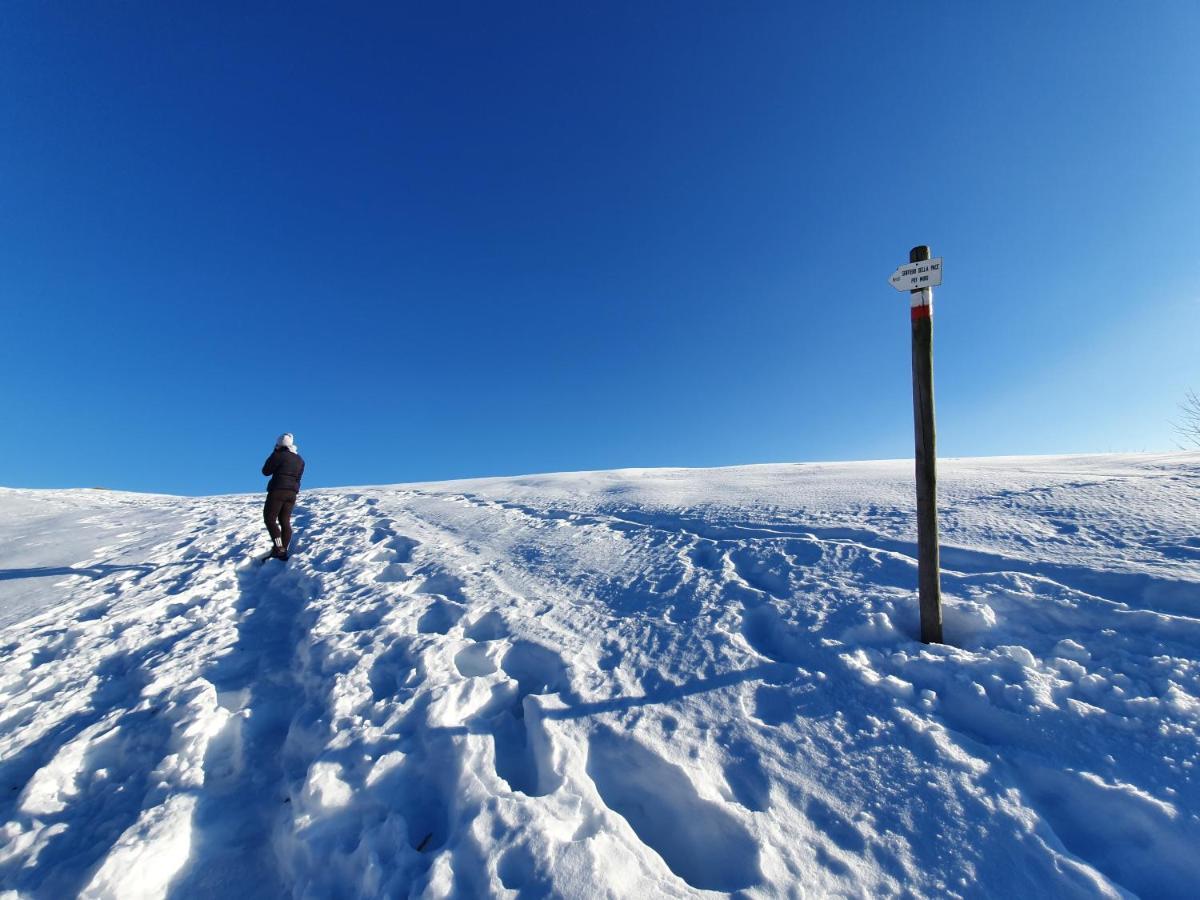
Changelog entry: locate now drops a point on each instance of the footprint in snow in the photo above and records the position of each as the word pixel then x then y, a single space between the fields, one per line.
pixel 444 584
pixel 391 672
pixel 392 573
pixel 521 746
pixel 91 613
pixel 473 661
pixel 701 842
pixel 706 555
pixel 440 617
pixel 488 627
pixel 365 619
pixel 745 776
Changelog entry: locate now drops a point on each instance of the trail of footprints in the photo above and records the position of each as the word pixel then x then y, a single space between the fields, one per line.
pixel 423 645
pixel 411 634
pixel 401 671
pixel 407 629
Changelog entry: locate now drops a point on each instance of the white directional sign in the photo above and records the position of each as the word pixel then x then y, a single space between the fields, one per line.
pixel 914 276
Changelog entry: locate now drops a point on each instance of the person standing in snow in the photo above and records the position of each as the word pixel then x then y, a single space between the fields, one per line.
pixel 286 468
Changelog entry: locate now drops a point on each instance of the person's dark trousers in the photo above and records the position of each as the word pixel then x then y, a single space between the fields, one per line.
pixel 277 513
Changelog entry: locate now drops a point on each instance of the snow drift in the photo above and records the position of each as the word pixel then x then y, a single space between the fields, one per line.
pixel 652 683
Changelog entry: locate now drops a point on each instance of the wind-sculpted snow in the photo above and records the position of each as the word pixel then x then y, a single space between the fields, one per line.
pixel 658 683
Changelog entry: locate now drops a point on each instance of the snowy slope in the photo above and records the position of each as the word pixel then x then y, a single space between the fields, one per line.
pixel 625 684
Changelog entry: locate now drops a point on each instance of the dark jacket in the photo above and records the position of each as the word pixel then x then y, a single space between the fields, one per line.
pixel 285 468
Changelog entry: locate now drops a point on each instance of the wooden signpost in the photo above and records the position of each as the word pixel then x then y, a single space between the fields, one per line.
pixel 919 278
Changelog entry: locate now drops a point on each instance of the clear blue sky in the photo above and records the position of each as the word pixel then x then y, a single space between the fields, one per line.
pixel 447 240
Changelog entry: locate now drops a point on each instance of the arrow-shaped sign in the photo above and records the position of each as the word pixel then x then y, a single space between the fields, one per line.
pixel 914 276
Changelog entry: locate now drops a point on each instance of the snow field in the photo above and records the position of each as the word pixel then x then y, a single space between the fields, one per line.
pixel 639 683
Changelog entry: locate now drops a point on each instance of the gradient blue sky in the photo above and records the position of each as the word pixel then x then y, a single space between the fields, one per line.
pixel 446 240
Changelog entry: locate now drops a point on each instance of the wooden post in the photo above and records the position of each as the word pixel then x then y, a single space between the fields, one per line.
pixel 928 565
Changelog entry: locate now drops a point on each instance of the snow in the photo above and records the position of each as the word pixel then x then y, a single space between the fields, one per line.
pixel 640 683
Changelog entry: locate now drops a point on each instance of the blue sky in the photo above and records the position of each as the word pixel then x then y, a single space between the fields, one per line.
pixel 447 240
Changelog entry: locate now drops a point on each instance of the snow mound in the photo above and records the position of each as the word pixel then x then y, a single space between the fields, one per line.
pixel 645 683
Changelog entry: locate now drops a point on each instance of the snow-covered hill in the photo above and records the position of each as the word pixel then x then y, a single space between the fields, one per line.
pixel 619 684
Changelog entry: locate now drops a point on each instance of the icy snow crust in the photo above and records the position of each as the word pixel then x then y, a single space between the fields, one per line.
pixel 653 683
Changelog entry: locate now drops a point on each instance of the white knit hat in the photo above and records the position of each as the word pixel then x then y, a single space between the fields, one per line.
pixel 286 441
